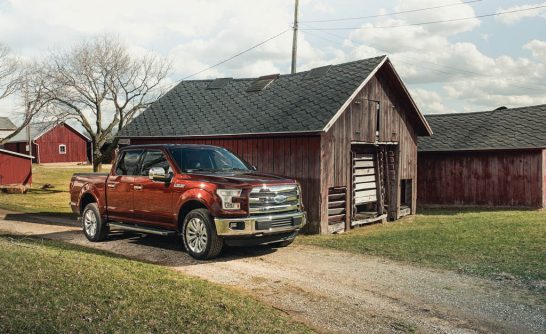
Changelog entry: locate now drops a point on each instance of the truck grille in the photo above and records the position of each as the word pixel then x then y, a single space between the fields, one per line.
pixel 274 199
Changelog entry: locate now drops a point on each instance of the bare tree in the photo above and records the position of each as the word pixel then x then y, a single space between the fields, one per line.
pixel 101 86
pixel 9 72
pixel 34 97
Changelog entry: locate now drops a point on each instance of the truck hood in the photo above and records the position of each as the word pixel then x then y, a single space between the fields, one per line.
pixel 244 178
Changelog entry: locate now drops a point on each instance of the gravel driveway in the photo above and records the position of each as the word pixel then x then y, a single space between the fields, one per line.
pixel 330 290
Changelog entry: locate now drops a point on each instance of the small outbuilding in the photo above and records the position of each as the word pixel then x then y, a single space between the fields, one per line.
pixel 491 158
pixel 52 142
pixel 15 169
pixel 347 133
pixel 6 127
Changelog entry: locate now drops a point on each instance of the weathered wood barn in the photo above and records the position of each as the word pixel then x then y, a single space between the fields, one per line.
pixel 6 127
pixel 492 158
pixel 51 143
pixel 347 133
pixel 15 168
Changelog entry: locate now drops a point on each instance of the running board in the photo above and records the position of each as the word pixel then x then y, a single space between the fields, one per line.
pixel 142 229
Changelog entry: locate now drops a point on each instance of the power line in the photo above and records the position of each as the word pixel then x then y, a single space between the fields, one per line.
pixel 419 61
pixel 393 13
pixel 433 22
pixel 236 55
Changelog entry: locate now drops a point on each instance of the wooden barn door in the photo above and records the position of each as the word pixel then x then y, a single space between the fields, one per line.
pixel 364 179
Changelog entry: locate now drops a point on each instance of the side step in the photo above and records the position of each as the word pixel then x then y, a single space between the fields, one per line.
pixel 142 229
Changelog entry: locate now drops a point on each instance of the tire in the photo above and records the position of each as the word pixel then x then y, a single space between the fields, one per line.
pixel 93 227
pixel 284 243
pixel 199 235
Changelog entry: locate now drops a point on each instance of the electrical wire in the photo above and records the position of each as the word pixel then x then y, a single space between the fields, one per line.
pixel 235 55
pixel 432 22
pixel 393 13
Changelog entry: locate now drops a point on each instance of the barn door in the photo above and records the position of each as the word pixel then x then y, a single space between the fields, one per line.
pixel 364 180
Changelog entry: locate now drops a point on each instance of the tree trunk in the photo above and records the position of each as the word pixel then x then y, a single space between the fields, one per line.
pixel 97 159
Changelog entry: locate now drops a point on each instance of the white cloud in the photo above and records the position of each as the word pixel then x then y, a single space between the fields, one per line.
pixel 429 102
pixel 511 18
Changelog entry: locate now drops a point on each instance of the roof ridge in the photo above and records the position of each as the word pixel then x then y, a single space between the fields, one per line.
pixel 483 112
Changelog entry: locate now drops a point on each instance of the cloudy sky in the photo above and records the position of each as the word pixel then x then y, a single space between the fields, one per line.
pixel 474 64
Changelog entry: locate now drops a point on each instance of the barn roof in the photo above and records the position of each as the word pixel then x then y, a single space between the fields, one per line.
pixel 37 129
pixel 6 124
pixel 2 151
pixel 515 128
pixel 304 102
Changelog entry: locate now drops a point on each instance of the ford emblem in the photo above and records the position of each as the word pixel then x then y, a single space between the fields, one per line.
pixel 279 199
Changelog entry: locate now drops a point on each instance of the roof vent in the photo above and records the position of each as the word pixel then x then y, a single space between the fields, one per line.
pixel 219 83
pixel 501 108
pixel 317 72
pixel 262 82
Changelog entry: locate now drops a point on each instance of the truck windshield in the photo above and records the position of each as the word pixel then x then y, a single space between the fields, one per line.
pixel 208 159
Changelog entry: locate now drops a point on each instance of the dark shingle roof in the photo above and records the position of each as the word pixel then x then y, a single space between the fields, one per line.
pixel 291 103
pixel 6 124
pixel 515 128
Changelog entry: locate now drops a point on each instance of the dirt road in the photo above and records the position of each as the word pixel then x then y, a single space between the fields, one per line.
pixel 330 290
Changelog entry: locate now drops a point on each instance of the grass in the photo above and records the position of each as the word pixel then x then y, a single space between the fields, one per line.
pixel 45 201
pixel 487 243
pixel 51 287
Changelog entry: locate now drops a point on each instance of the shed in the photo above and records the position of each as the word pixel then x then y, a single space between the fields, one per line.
pixel 490 158
pixel 6 127
pixel 15 168
pixel 347 133
pixel 52 142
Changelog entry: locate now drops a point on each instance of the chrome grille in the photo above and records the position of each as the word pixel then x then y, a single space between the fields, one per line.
pixel 274 199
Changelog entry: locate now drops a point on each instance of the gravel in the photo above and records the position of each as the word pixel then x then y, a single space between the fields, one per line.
pixel 332 291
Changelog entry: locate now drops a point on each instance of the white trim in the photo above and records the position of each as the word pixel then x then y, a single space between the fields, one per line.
pixel 64 124
pixel 355 93
pixel 63 146
pixel 17 154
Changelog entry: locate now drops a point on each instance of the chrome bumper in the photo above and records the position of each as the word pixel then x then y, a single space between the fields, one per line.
pixel 249 229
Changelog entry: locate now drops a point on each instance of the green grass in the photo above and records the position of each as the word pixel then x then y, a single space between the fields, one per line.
pixel 51 287
pixel 487 243
pixel 48 201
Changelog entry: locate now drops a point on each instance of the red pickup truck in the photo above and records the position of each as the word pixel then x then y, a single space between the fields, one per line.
pixel 205 193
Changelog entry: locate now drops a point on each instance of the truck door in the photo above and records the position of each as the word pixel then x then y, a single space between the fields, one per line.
pixel 119 187
pixel 153 200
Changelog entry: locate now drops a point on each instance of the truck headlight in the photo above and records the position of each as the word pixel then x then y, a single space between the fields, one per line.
pixel 226 195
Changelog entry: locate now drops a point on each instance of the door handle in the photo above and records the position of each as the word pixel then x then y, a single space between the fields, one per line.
pixel 111 185
pixel 137 187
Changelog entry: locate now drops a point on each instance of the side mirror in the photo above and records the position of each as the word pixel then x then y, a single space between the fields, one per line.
pixel 159 174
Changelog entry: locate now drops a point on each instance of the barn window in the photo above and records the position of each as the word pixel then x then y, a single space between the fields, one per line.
pixel 62 149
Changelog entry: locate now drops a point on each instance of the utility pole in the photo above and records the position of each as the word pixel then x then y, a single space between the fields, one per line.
pixel 295 38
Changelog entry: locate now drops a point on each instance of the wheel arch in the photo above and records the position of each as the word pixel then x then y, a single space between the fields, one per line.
pixel 187 207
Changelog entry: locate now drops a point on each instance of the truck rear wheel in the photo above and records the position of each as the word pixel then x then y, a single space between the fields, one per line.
pixel 199 235
pixel 93 226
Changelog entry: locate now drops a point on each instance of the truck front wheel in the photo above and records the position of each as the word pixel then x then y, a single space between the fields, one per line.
pixel 199 235
pixel 93 226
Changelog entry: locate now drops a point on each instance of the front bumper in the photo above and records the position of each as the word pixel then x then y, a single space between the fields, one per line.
pixel 260 225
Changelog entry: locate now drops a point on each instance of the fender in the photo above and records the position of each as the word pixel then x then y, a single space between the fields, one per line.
pixel 201 195
pixel 92 190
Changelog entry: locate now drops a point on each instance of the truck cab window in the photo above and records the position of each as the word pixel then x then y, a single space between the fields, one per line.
pixel 154 159
pixel 128 163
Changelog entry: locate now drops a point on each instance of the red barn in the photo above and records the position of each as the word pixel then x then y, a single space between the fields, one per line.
pixel 492 158
pixel 15 168
pixel 51 142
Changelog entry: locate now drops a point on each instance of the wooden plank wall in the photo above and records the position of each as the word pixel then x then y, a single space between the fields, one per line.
pixel 292 156
pixel 544 178
pixel 48 146
pixel 358 123
pixel 494 178
pixel 14 169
